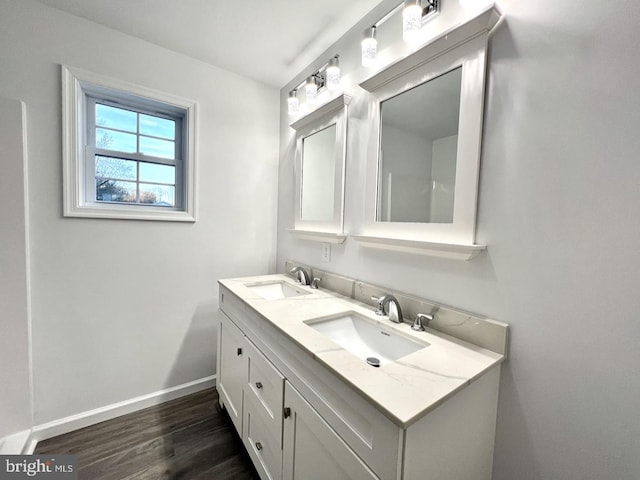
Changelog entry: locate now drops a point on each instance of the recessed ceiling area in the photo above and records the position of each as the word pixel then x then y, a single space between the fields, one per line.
pixel 270 41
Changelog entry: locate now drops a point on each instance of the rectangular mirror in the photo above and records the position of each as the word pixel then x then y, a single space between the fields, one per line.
pixel 320 162
pixel 318 175
pixel 423 155
pixel 418 152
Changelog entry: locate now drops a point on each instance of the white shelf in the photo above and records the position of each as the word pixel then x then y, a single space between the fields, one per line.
pixel 453 251
pixel 326 109
pixel 482 22
pixel 325 237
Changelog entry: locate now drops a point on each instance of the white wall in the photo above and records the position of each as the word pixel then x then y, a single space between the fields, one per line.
pixel 406 174
pixel 125 308
pixel 15 396
pixel 559 208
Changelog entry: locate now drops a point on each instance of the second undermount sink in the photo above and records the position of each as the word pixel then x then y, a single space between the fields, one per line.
pixel 365 338
pixel 276 290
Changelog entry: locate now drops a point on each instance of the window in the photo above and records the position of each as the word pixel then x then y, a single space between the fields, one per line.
pixel 128 150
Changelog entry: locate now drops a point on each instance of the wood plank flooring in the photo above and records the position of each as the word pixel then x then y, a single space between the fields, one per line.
pixel 187 438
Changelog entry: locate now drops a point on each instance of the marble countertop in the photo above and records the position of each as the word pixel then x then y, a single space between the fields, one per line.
pixel 404 390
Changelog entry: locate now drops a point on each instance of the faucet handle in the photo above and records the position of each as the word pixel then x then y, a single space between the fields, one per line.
pixel 380 309
pixel 315 283
pixel 421 320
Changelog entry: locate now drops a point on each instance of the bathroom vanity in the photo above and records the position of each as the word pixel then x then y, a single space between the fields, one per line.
pixel 293 376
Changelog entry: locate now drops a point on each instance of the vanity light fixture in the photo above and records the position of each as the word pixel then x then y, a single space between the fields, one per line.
pixel 326 76
pixel 332 73
pixel 293 102
pixel 414 14
pixel 311 89
pixel 369 47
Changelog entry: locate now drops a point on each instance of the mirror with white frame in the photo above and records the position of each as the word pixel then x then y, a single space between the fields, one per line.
pixel 418 150
pixel 423 152
pixel 320 164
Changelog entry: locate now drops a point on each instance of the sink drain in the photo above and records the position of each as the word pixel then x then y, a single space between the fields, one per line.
pixel 373 361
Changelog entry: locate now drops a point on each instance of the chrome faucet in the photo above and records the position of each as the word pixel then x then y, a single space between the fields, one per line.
pixel 389 305
pixel 301 275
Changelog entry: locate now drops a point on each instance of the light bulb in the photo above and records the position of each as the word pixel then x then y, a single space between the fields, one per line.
pixel 293 102
pixel 333 73
pixel 369 47
pixel 311 90
pixel 411 20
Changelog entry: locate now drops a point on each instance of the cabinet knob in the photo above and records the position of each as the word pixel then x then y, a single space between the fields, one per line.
pixel 258 446
pixel 239 351
pixel 287 412
pixel 258 385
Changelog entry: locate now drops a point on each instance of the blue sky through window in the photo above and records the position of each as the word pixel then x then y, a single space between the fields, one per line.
pixel 127 131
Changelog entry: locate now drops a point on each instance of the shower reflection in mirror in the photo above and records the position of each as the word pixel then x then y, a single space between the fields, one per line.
pixel 418 152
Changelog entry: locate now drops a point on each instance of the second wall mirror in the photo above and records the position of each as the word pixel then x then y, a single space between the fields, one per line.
pixel 320 164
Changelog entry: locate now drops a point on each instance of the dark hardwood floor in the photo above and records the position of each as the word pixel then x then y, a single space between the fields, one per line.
pixel 188 438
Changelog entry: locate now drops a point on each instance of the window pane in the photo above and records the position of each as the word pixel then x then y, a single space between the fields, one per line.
pixel 156 173
pixel 114 191
pixel 159 195
pixel 116 168
pixel 118 141
pixel 117 118
pixel 157 148
pixel 157 127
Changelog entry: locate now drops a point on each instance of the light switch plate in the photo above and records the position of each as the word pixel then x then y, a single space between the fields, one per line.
pixel 326 252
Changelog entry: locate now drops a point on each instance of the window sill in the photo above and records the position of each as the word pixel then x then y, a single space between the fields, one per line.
pixel 453 251
pixel 129 213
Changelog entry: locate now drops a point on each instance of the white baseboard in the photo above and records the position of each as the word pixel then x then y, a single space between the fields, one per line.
pixel 91 417
pixel 15 443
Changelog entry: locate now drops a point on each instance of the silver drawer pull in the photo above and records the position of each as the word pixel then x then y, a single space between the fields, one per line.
pixel 258 385
pixel 258 446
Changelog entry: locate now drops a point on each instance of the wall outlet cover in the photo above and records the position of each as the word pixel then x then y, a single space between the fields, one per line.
pixel 326 252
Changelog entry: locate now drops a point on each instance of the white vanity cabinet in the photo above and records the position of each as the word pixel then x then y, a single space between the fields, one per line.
pixel 254 393
pixel 299 420
pixel 251 389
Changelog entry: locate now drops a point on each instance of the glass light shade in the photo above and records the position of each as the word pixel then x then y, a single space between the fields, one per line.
pixel 293 103
pixel 333 74
pixel 311 90
pixel 369 47
pixel 411 20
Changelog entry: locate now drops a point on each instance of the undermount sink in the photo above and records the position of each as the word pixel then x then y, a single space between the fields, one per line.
pixel 366 339
pixel 276 290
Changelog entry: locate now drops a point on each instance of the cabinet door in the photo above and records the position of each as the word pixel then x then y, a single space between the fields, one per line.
pixel 312 450
pixel 232 369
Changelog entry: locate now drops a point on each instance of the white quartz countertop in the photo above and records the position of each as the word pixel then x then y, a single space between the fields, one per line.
pixel 404 390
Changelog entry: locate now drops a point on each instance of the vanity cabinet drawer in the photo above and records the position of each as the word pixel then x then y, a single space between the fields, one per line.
pixel 266 385
pixel 231 305
pixel 262 442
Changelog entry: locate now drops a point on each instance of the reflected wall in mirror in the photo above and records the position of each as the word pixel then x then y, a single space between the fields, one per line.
pixel 418 152
pixel 321 149
pixel 318 175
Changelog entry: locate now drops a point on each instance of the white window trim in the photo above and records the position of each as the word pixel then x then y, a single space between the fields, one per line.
pixel 74 84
